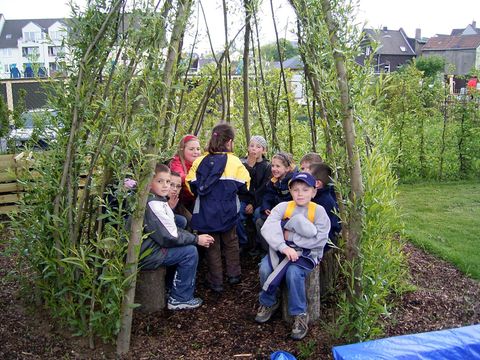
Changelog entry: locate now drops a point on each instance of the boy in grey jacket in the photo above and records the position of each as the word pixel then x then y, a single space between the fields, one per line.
pixel 169 245
pixel 296 233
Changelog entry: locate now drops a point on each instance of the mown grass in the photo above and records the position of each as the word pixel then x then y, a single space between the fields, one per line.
pixel 444 219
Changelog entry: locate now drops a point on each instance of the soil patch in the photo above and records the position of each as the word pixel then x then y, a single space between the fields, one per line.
pixel 223 328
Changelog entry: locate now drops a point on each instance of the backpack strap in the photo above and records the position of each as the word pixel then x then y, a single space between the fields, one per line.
pixel 289 210
pixel 311 211
pixel 291 207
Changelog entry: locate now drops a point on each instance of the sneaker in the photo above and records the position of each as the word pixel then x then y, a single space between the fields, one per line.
pixel 233 280
pixel 265 312
pixel 180 305
pixel 300 327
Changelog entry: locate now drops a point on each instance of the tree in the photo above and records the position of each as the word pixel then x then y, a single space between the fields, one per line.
pixel 270 51
pixel 430 65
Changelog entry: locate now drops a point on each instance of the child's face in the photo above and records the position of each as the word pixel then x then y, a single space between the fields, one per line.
pixel 192 150
pixel 160 184
pixel 301 193
pixel 305 167
pixel 175 185
pixel 256 150
pixel 279 170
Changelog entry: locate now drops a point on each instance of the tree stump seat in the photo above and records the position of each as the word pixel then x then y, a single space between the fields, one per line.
pixel 150 290
pixel 318 282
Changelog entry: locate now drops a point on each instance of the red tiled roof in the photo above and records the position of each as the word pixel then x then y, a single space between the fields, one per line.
pixel 446 42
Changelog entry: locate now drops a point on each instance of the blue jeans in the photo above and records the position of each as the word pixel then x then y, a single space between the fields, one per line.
pixel 241 232
pixel 242 217
pixel 186 260
pixel 295 280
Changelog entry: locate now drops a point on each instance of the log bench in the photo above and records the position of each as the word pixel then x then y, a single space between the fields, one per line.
pixel 318 283
pixel 150 290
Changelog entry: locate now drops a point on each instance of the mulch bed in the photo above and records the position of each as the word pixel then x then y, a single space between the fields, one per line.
pixel 223 328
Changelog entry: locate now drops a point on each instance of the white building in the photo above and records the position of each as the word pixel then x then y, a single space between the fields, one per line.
pixel 30 47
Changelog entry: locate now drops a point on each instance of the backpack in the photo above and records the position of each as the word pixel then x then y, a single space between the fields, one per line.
pixel 291 207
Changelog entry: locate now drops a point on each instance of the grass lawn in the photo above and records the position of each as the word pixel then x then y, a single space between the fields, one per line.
pixel 444 219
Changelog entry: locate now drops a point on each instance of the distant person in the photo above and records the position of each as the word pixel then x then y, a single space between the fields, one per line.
pixel 167 245
pixel 188 151
pixel 309 159
pixel 276 190
pixel 472 85
pixel 326 197
pixel 260 172
pixel 182 215
pixel 296 232
pixel 216 179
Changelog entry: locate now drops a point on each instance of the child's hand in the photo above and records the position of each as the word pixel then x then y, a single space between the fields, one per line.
pixel 249 209
pixel 290 253
pixel 173 201
pixel 267 212
pixel 205 240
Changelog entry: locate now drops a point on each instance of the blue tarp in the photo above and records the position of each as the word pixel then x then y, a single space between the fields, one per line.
pixel 461 343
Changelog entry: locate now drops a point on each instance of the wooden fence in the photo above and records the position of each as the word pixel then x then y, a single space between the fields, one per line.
pixel 11 191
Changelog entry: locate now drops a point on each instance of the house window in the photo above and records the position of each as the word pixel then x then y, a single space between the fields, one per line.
pixel 7 52
pixel 56 35
pixel 6 68
pixel 55 51
pixel 29 51
pixel 387 68
pixel 31 36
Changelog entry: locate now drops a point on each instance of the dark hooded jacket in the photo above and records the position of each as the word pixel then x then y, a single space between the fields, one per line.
pixel 260 175
pixel 162 233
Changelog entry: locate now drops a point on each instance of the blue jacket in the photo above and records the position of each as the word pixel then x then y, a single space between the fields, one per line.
pixel 215 180
pixel 325 198
pixel 275 193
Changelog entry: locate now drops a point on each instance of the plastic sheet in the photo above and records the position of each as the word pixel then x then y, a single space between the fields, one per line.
pixel 461 343
pixel 282 355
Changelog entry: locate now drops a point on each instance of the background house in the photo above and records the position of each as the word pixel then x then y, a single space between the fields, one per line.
pixel 471 29
pixel 393 49
pixel 30 47
pixel 461 52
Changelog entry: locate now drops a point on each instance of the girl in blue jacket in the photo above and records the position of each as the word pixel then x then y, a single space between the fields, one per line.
pixel 215 179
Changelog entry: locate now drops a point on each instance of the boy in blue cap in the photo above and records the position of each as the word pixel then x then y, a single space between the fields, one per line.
pixel 296 232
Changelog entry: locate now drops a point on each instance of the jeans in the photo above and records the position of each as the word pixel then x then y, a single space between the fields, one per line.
pixel 295 280
pixel 186 260
pixel 242 217
pixel 241 232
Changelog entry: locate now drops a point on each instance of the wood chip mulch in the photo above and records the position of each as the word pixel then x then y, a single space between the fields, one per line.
pixel 223 328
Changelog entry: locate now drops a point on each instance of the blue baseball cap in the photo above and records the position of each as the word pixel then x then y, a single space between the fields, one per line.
pixel 303 176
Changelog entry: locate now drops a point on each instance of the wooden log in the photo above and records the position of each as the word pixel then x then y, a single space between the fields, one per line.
pixel 10 187
pixel 10 198
pixel 328 272
pixel 8 209
pixel 150 291
pixel 313 297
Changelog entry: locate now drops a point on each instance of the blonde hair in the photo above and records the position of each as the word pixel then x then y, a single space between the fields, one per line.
pixel 181 149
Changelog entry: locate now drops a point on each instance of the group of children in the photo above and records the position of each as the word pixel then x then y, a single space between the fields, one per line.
pixel 213 195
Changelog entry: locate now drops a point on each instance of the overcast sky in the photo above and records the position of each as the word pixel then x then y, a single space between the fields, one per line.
pixel 432 16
